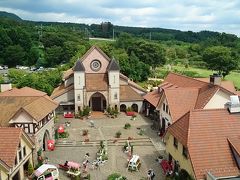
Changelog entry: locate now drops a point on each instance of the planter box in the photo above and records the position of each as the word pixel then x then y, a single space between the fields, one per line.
pixel 130 113
pixel 68 115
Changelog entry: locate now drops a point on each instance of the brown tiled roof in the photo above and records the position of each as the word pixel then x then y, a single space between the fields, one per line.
pixel 35 103
pixel 67 73
pixel 23 92
pixel 96 82
pixel 180 100
pixel 207 140
pixel 9 141
pixel 131 83
pixel 225 84
pixel 128 94
pixel 58 91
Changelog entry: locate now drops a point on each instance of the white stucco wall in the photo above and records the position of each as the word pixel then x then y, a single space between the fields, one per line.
pixel 38 137
pixel 218 100
pixel 112 93
pixel 113 78
pixel 164 114
pixel 21 117
pixel 68 96
pixel 130 103
pixel 68 81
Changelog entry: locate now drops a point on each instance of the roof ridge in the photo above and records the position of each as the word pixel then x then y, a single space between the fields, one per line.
pixel 214 109
pixel 91 49
pixel 188 77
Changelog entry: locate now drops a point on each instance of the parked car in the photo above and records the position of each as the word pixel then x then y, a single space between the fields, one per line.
pixel 33 68
pixel 1 67
pixel 46 171
pixel 5 66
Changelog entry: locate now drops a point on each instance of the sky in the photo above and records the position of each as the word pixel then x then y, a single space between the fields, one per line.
pixel 193 15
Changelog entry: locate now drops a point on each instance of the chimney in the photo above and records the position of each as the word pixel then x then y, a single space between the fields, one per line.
pixel 6 87
pixel 215 79
pixel 234 105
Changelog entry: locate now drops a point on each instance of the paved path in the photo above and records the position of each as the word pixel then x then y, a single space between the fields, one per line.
pixel 148 146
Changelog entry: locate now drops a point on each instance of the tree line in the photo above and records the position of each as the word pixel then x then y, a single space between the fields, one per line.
pixel 51 44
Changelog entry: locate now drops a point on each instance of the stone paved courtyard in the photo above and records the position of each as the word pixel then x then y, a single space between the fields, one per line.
pixel 147 146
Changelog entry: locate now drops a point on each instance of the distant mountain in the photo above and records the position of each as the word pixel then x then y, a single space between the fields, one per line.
pixel 9 15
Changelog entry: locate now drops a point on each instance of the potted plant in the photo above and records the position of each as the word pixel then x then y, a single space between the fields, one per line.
pixel 127 126
pixel 85 132
pixel 134 117
pixel 118 134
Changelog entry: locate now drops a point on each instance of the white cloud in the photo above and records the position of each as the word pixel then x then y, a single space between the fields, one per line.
pixel 195 15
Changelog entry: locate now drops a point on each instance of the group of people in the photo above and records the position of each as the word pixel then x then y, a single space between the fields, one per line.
pixel 150 174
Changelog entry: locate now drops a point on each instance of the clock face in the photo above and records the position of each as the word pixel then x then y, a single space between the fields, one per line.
pixel 95 65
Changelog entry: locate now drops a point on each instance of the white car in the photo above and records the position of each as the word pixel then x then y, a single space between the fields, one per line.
pixel 1 67
pixel 46 171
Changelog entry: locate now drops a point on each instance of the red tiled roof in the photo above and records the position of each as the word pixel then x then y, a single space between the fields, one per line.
pixel 183 81
pixel 179 129
pixel 153 97
pixel 177 81
pixel 206 134
pixel 225 84
pixel 9 140
pixel 180 100
pixel 235 142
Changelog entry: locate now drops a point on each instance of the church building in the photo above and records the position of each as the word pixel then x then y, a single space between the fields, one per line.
pixel 95 81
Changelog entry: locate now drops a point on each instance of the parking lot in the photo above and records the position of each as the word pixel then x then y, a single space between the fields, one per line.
pixel 148 146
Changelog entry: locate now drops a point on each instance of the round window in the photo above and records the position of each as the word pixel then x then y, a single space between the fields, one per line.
pixel 95 65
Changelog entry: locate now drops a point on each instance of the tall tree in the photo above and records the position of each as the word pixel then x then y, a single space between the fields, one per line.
pixel 14 55
pixel 220 59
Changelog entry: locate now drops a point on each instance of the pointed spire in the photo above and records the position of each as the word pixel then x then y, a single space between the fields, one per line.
pixel 78 66
pixel 113 65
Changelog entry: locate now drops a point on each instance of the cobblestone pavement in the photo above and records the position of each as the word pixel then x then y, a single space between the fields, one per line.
pixel 147 146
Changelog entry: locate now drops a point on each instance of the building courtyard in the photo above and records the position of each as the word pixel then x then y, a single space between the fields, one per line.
pixel 148 146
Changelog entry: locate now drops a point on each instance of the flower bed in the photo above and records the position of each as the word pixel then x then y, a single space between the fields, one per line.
pixel 130 113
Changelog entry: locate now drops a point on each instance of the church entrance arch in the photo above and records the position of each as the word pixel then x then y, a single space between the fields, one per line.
pixel 97 102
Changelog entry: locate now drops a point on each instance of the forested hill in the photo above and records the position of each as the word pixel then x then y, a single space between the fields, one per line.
pixel 4 14
pixel 139 51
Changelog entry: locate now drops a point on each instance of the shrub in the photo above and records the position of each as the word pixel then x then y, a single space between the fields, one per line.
pixel 63 135
pixel 141 132
pixel 30 169
pixel 118 134
pixel 86 110
pixel 127 126
pixel 129 109
pixel 115 176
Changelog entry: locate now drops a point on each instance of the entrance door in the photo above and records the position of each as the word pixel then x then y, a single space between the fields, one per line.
pixel 96 103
